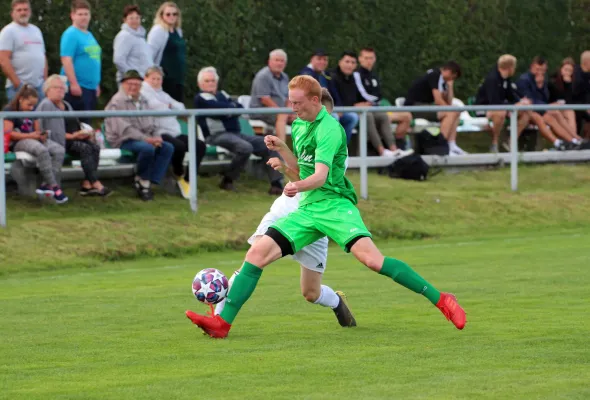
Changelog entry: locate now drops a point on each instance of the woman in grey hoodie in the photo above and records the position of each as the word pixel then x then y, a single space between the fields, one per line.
pixel 130 49
pixel 169 48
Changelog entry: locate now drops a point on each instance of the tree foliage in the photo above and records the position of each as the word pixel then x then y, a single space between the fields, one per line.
pixel 409 36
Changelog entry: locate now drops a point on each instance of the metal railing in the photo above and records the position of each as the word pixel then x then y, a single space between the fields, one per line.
pixel 192 114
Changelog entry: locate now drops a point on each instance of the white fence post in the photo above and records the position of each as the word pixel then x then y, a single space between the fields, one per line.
pixel 514 150
pixel 2 180
pixel 192 164
pixel 363 154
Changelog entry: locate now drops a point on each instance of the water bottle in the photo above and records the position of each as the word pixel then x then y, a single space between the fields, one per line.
pixel 99 139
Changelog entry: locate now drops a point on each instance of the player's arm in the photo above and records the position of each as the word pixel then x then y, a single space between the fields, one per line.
pixel 314 181
pixel 278 165
pixel 328 143
pixel 439 100
pixel 276 144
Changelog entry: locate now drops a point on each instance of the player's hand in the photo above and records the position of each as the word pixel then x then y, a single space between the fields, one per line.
pixel 273 143
pixel 290 189
pixel 276 164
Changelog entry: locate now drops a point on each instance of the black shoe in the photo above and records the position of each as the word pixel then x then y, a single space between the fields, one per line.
pixel 105 192
pixel 227 184
pixel 572 146
pixel 87 192
pixel 144 193
pixel 343 313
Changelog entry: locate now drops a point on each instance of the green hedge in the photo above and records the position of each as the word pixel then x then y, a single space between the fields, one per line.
pixel 410 36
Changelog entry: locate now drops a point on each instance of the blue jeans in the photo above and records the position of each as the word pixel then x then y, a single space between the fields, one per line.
pixel 11 92
pixel 152 162
pixel 349 121
pixel 86 102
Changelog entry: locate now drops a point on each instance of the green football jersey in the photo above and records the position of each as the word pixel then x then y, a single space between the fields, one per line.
pixel 322 141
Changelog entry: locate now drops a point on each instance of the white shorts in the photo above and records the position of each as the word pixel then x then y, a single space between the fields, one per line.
pixel 314 256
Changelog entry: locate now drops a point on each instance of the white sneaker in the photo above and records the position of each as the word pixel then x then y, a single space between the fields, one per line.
pixel 388 153
pixel 456 150
pixel 399 153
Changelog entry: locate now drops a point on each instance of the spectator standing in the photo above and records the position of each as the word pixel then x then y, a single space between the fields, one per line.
pixel 369 87
pixel 498 89
pixel 581 92
pixel 317 69
pixel 130 49
pixel 169 48
pixel 68 133
pixel 436 86
pixel 561 90
pixel 169 128
pixel 270 89
pixel 26 136
pixel 22 51
pixel 532 85
pixel 225 131
pixel 81 59
pixel 138 135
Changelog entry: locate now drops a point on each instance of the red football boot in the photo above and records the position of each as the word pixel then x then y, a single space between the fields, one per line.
pixel 447 304
pixel 213 326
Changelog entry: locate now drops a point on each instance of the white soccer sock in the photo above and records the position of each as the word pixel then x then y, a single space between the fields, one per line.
pixel 328 298
pixel 576 141
pixel 219 307
pixel 557 143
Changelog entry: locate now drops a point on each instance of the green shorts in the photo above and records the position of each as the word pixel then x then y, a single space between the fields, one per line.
pixel 338 219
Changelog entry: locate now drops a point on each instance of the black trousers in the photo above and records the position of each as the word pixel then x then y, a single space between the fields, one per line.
pixel 180 144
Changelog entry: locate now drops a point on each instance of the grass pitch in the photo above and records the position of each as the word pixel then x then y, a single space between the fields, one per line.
pixel 118 331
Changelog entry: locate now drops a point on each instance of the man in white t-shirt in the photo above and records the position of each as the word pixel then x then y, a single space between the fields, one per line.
pixel 22 51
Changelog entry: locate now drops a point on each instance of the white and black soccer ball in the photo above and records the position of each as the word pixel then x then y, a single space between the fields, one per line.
pixel 210 286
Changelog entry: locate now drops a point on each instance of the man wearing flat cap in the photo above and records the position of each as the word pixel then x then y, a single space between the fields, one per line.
pixel 137 134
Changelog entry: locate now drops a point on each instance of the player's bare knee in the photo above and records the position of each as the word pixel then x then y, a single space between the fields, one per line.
pixel 310 294
pixel 263 252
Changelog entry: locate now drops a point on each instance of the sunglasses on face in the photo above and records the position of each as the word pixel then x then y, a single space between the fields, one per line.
pixel 174 14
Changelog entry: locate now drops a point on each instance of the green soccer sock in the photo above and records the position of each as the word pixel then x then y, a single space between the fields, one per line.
pixel 241 290
pixel 403 274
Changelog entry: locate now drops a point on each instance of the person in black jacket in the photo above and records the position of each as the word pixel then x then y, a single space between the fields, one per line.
pixel 378 126
pixel 343 83
pixel 498 89
pixel 225 131
pixel 581 92
pixel 561 90
pixel 436 87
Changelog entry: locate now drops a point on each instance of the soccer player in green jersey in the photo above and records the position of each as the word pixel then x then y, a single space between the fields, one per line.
pixel 327 208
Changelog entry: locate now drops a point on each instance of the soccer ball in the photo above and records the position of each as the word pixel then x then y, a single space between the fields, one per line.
pixel 210 286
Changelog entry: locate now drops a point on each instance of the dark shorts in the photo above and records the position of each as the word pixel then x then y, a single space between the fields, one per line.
pixel 427 115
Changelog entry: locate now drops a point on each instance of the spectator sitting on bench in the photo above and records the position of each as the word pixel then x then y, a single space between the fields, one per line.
pixel 224 131
pixel 581 92
pixel 68 133
pixel 498 89
pixel 343 79
pixel 169 127
pixel 436 86
pixel 270 89
pixel 378 125
pixel 138 135
pixel 26 136
pixel 532 85
pixel 317 69
pixel 561 91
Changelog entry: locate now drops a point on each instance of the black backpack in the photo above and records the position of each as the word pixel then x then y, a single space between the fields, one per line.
pixel 427 144
pixel 409 167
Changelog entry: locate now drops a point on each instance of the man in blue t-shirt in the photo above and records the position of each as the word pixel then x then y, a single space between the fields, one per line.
pixel 81 59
